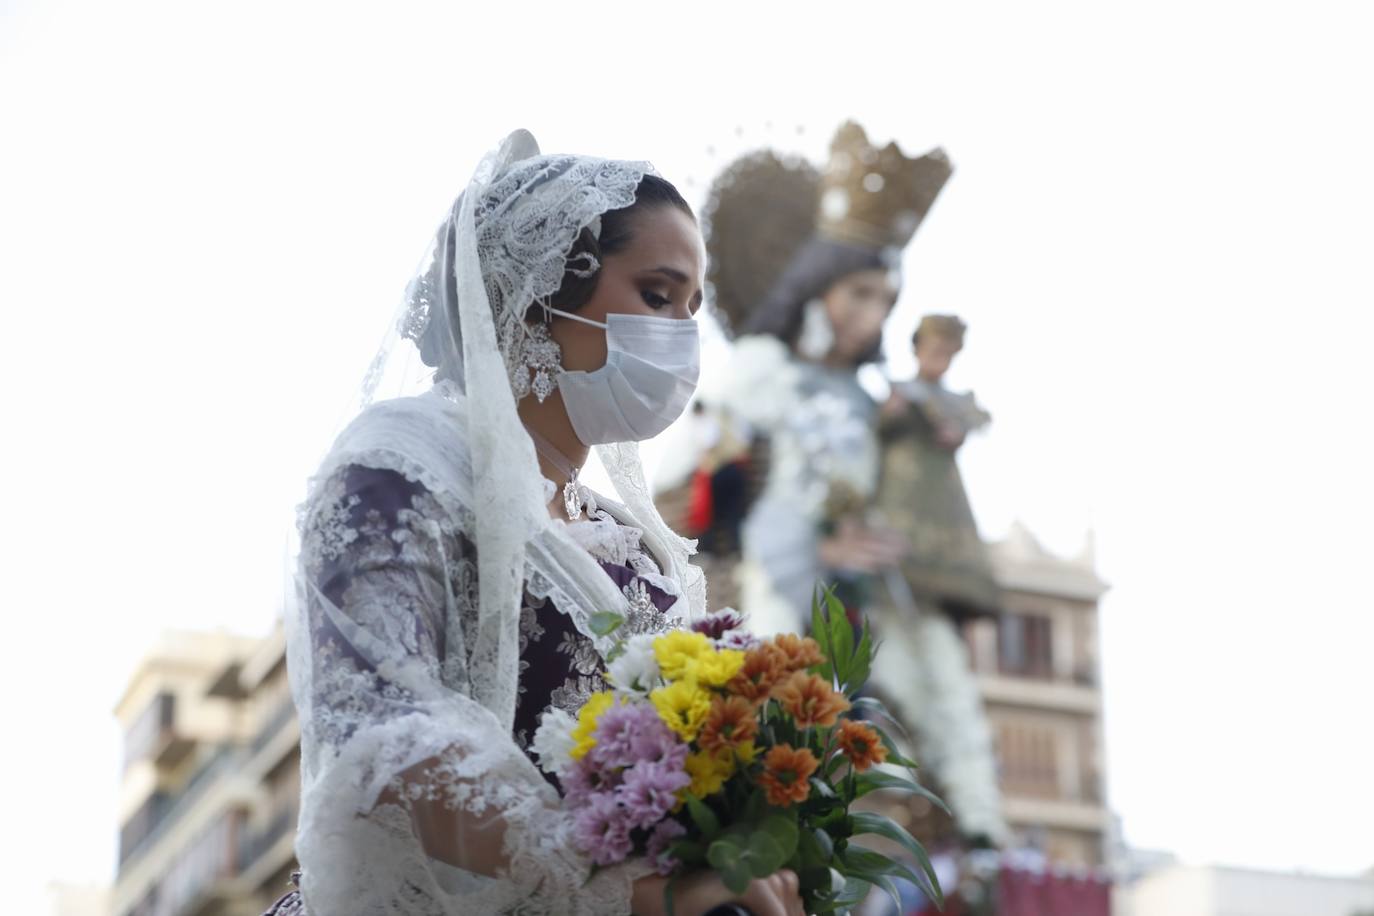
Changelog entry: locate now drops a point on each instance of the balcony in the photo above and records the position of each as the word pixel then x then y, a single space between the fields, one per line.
pixel 142 823
pixel 1088 817
pixel 263 853
pixel 154 736
pixel 1061 696
pixel 277 719
pixel 143 737
pixel 200 878
pixel 177 806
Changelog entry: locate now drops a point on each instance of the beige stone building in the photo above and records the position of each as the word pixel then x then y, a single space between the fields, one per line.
pixel 1188 890
pixel 1039 673
pixel 211 783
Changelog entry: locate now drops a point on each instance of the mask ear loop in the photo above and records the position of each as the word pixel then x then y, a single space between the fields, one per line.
pixel 576 317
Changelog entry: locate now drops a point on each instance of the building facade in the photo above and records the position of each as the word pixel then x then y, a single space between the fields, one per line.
pixel 211 783
pixel 1187 890
pixel 1039 673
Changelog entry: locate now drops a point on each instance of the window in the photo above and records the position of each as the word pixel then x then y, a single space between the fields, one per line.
pixel 1024 646
pixel 1028 760
pixel 151 724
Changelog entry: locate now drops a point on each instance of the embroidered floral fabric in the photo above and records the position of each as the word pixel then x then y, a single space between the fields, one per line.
pixel 414 799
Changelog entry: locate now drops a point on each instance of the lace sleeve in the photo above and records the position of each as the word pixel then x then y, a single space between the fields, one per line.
pixel 414 799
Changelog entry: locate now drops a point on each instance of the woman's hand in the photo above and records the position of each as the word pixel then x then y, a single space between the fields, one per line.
pixel 698 893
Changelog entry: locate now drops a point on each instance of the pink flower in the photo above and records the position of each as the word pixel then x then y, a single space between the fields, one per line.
pixel 659 841
pixel 585 778
pixel 602 830
pixel 716 625
pixel 633 732
pixel 649 792
pixel 738 639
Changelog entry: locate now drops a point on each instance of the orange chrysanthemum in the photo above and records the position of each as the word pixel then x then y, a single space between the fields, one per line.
pixel 763 666
pixel 730 724
pixel 786 776
pixel 809 700
pixel 860 744
pixel 801 652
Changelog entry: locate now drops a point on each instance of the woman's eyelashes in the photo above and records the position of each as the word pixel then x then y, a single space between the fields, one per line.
pixel 655 301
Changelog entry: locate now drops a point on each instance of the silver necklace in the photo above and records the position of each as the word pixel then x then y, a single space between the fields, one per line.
pixel 576 496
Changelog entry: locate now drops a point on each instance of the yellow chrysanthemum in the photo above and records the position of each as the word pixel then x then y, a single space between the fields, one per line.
pixel 709 772
pixel 678 650
pixel 587 718
pixel 716 667
pixel 746 752
pixel 683 706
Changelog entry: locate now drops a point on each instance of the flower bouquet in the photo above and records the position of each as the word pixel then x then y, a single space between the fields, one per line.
pixel 714 749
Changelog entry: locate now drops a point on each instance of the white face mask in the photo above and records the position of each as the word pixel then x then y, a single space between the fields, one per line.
pixel 652 366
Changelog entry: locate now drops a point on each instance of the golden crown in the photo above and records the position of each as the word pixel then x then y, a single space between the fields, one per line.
pixel 877 197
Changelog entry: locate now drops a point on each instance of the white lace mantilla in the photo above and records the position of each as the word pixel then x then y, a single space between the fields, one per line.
pixel 416 798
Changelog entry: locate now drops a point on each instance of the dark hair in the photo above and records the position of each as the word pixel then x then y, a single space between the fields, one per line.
pixel 617 231
pixel 817 266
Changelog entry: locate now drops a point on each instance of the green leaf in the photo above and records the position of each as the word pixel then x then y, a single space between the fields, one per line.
pixel 689 852
pixel 783 831
pixel 880 825
pixel 604 623
pixel 853 893
pixel 836 823
pixel 821 633
pixel 873 868
pixel 741 858
pixel 841 637
pixel 763 856
pixel 865 861
pixel 754 808
pixel 703 817
pixel 824 845
pixel 863 660
pixel 861 858
pixel 728 860
pixel 875 707
pixel 822 787
pixel 894 756
pixel 809 852
pixel 875 780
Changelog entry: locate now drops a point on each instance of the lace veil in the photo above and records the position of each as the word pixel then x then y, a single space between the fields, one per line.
pixel 458 358
pixel 504 247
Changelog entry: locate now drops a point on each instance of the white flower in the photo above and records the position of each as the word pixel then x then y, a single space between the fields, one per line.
pixel 553 741
pixel 635 669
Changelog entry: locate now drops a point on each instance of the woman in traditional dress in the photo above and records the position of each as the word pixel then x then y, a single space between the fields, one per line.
pixel 451 559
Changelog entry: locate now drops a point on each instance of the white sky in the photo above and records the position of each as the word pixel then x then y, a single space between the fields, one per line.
pixel 1159 229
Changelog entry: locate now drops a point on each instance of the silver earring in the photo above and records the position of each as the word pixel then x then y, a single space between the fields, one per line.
pixel 542 358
